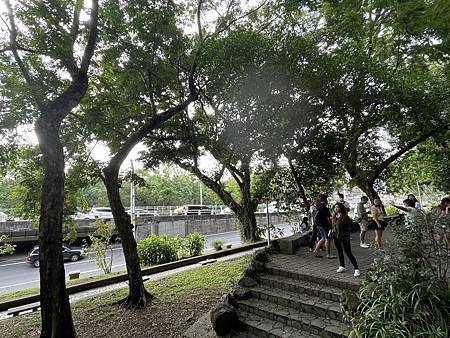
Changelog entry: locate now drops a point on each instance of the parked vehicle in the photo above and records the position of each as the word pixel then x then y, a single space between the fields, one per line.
pixel 226 211
pixel 70 253
pixel 192 209
pixel 101 212
pixel 81 215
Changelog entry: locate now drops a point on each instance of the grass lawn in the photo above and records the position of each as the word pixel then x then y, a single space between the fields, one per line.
pixel 33 291
pixel 179 301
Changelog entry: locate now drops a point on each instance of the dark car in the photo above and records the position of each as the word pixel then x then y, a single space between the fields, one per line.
pixel 70 253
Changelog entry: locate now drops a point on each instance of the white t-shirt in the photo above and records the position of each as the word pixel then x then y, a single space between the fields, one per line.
pixel 410 214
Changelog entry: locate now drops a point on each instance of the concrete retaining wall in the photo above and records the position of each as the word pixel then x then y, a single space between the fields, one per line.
pixel 23 231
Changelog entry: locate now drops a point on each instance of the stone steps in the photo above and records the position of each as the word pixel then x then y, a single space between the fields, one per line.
pixel 265 328
pixel 267 314
pixel 299 301
pixel 301 287
pixel 341 284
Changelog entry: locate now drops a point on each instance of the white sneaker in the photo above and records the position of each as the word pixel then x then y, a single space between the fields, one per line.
pixel 363 245
pixel 357 273
pixel 341 269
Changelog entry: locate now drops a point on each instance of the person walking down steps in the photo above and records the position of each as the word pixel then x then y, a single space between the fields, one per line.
pixel 341 231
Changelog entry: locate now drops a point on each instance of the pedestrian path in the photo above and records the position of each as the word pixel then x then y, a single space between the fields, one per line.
pixel 299 295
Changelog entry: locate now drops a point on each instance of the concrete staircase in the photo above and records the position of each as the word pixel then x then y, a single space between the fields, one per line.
pixel 292 304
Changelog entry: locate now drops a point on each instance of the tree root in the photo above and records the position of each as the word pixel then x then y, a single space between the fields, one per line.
pixel 136 301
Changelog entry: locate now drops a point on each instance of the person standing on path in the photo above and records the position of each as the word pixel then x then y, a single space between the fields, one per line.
pixel 363 219
pixel 313 210
pixel 440 216
pixel 417 204
pixel 410 210
pixel 378 222
pixel 341 229
pixel 323 222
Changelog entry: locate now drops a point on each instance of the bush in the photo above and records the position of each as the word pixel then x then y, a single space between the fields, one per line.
pixel 5 248
pixel 101 245
pixel 161 249
pixel 194 243
pixel 391 210
pixel 157 250
pixel 217 244
pixel 406 293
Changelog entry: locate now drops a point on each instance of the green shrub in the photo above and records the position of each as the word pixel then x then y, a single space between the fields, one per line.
pixel 406 293
pixel 157 250
pixel 194 243
pixel 162 249
pixel 391 210
pixel 217 244
pixel 101 245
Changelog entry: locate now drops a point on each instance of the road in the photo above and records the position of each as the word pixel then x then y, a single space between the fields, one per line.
pixel 16 274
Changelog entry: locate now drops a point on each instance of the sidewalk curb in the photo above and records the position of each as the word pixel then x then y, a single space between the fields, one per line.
pixel 124 277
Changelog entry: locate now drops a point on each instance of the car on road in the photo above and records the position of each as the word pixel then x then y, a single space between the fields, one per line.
pixel 70 253
pixel 101 212
pixel 193 209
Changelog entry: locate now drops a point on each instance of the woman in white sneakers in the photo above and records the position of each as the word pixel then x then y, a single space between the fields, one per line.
pixel 341 228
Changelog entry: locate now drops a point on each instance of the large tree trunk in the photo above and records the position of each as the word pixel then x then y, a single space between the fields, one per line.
pixel 300 186
pixel 138 296
pixel 366 185
pixel 247 222
pixel 246 212
pixel 56 316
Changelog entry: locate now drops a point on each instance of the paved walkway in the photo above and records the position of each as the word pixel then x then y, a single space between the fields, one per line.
pixel 306 263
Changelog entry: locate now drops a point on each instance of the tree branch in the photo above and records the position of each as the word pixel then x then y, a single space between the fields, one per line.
pixel 383 165
pixel 13 45
pixel 93 32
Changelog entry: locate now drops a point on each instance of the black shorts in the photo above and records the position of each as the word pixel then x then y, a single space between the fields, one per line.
pixel 374 226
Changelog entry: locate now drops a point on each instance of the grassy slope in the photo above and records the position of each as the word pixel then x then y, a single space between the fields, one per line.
pixel 180 300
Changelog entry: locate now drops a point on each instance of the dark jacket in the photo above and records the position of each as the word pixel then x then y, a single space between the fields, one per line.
pixel 342 227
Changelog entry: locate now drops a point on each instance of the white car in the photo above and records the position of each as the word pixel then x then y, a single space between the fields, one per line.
pixel 81 215
pixel 226 211
pixel 101 212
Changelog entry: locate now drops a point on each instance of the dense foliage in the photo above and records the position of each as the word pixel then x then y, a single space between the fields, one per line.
pixel 162 249
pixel 406 293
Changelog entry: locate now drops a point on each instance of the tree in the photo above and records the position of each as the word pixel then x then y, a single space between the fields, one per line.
pixel 144 68
pixel 227 123
pixel 371 76
pixel 52 41
pixel 427 165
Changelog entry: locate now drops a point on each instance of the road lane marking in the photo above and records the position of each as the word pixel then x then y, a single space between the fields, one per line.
pixel 9 264
pixel 9 286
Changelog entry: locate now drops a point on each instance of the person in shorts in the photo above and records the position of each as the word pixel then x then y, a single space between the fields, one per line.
pixel 378 222
pixel 440 216
pixel 323 222
pixel 363 219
